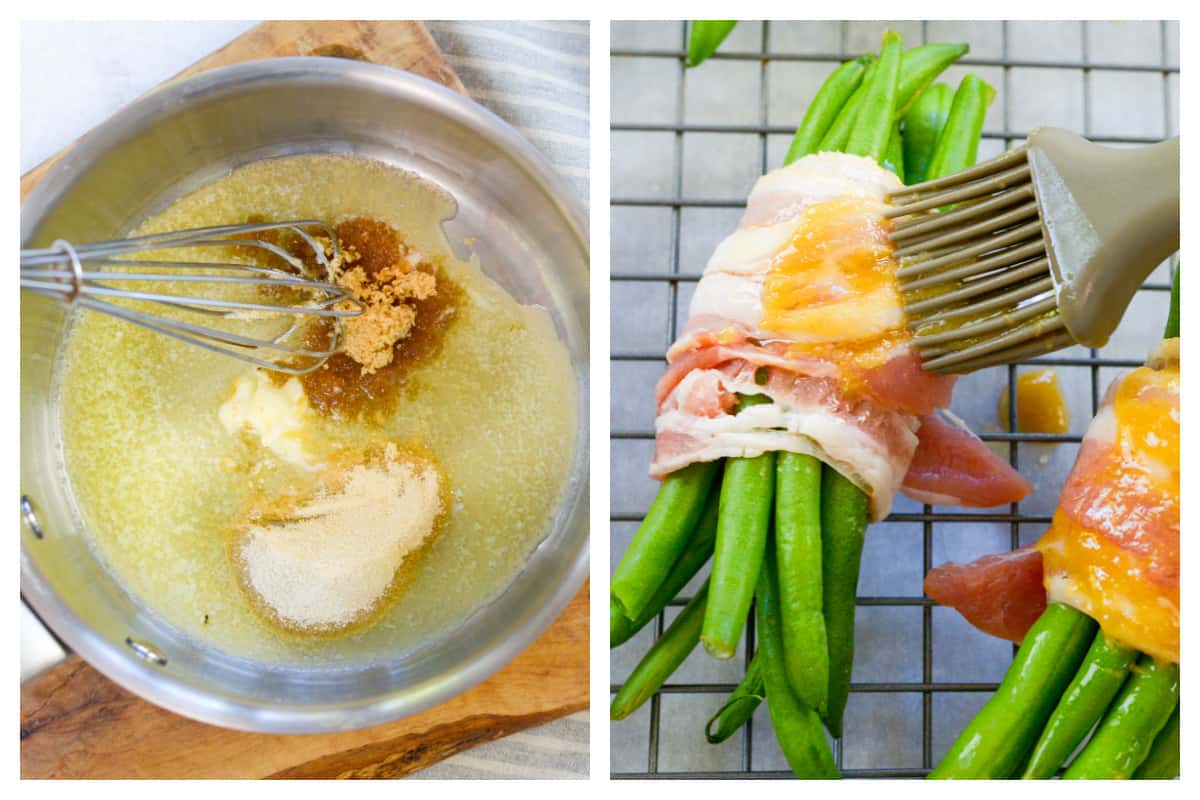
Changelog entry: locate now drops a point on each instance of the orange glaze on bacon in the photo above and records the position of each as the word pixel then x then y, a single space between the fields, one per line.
pixel 831 293
pixel 1112 550
pixel 834 286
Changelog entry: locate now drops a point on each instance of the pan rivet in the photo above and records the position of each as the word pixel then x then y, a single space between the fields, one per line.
pixel 31 520
pixel 146 652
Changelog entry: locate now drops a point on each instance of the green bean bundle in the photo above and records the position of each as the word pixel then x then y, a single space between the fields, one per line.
pixel 995 743
pixel 1037 720
pixel 785 532
pixel 1096 683
pixel 1125 735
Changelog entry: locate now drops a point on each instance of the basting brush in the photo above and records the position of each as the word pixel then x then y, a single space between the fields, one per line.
pixel 1033 251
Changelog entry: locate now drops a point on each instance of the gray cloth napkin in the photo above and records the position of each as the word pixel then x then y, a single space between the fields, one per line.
pixel 557 749
pixel 533 75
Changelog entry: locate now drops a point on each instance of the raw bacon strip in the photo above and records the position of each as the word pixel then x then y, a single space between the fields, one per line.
pixel 811 415
pixel 902 384
pixel 749 251
pixel 952 467
pixel 702 393
pixel 716 353
pixel 942 464
pixel 1001 594
pixel 782 194
pixel 898 383
pixel 731 291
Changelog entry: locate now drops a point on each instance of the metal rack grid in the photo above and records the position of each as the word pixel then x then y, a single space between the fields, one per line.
pixel 1092 361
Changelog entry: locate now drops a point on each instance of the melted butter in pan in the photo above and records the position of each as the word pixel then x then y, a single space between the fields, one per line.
pixel 159 480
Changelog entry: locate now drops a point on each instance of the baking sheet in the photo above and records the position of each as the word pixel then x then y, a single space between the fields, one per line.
pixel 686 149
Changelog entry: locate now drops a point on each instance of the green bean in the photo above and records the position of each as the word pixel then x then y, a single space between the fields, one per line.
pixel 664 657
pixel 801 599
pixel 824 108
pixel 922 125
pixel 662 537
pixel 1173 316
pixel 1096 683
pixel 620 628
pixel 843 528
pixel 893 156
pixel 920 67
pixel 699 549
pixel 838 135
pixel 996 741
pixel 705 37
pixel 740 706
pixel 742 524
pixel 1123 739
pixel 1163 762
pixel 873 125
pixel 958 146
pixel 744 401
pixel 797 727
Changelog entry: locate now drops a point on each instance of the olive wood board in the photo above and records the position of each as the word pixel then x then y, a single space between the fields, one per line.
pixel 75 723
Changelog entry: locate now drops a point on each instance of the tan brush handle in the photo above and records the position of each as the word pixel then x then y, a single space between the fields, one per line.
pixel 1111 215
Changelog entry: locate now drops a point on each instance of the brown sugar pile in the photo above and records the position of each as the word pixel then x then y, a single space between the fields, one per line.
pixel 409 302
pixel 387 276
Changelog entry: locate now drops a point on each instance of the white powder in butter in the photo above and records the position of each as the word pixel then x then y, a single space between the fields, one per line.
pixel 328 562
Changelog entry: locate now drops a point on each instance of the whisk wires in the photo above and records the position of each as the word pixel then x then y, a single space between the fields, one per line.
pixel 278 284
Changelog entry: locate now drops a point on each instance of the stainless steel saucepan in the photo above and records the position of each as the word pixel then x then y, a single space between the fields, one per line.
pixel 191 132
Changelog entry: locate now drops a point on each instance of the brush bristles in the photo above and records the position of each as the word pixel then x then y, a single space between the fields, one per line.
pixel 974 269
pixel 988 169
pixel 942 342
pixel 1024 344
pixel 969 233
pixel 954 302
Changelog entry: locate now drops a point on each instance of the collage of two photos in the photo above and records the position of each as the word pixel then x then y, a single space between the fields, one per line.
pixel 304 409
pixel 308 394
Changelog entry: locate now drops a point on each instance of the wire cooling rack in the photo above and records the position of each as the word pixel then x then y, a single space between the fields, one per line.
pixel 1125 68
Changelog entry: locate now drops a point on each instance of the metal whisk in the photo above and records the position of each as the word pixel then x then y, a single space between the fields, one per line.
pixel 97 277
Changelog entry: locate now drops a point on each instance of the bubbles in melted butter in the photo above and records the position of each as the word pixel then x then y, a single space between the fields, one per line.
pixel 159 480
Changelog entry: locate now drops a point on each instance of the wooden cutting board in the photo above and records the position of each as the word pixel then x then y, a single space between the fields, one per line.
pixel 75 723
